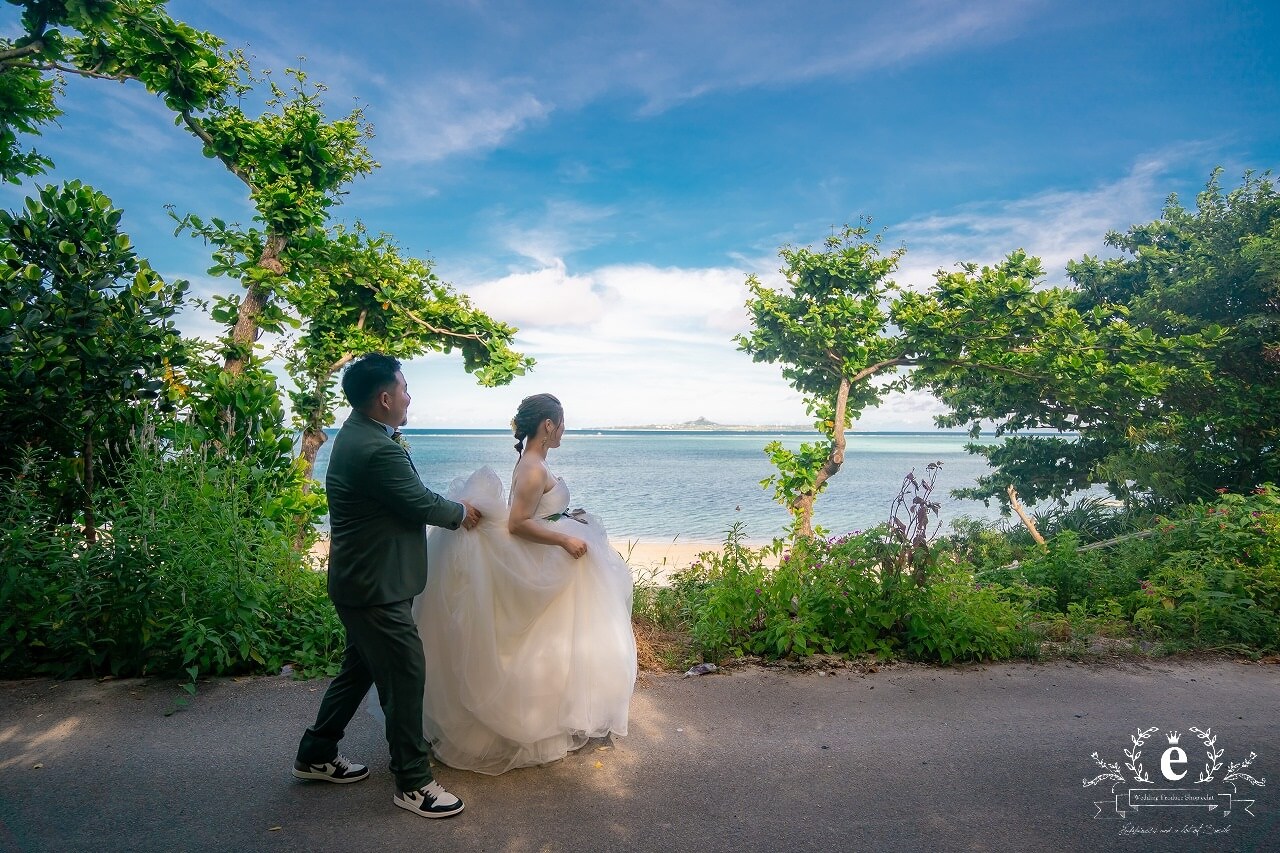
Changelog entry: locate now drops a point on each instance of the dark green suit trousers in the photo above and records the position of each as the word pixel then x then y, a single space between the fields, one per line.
pixel 383 649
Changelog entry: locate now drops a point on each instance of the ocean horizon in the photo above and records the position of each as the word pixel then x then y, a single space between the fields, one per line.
pixel 669 485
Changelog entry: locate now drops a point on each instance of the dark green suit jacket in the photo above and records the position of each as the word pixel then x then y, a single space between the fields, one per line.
pixel 377 511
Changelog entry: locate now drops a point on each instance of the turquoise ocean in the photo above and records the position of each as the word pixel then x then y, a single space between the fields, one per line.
pixel 690 486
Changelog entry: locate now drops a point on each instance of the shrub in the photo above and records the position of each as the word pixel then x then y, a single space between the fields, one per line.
pixel 1214 576
pixel 982 545
pixel 953 619
pixel 832 596
pixel 191 576
pixel 1207 576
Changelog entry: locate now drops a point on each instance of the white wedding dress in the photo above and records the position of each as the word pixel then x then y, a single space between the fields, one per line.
pixel 529 652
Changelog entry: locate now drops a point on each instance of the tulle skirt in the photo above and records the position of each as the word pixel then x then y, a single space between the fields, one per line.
pixel 529 652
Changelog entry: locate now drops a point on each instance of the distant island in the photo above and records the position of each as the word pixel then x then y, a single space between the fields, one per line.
pixel 711 426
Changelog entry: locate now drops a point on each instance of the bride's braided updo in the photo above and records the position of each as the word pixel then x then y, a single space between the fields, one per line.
pixel 532 412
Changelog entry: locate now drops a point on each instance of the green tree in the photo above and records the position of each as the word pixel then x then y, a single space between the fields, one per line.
pixel 828 327
pixel 998 346
pixel 1215 266
pixel 108 39
pixel 1172 384
pixel 293 159
pixel 86 335
pixel 360 294
pixel 295 163
pixel 992 343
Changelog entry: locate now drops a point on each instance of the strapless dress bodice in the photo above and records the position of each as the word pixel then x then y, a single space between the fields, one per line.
pixel 554 501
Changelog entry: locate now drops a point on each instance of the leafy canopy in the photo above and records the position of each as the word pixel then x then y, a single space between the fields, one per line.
pixel 1189 272
pixel 86 327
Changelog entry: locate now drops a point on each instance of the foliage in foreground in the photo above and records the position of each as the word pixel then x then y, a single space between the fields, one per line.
pixel 836 596
pixel 1207 577
pixel 191 577
pixel 86 334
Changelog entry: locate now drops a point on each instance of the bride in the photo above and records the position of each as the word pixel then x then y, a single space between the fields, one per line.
pixel 526 620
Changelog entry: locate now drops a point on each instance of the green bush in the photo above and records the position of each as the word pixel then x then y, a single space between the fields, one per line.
pixel 191 576
pixel 953 619
pixel 1206 576
pixel 1070 576
pixel 831 596
pixel 982 545
pixel 1214 577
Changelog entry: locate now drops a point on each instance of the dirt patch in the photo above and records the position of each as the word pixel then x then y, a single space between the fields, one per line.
pixel 659 649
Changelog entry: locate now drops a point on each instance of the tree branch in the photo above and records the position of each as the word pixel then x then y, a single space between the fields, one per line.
pixel 994 368
pixel 881 365
pixel 836 458
pixel 33 47
pixel 435 329
pixel 70 69
pixel 802 504
pixel 1026 519
pixel 340 363
pixel 193 124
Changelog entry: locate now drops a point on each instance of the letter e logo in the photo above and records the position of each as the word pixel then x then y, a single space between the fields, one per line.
pixel 1173 755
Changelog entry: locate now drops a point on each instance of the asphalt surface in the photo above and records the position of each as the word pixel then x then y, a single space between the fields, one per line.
pixel 904 758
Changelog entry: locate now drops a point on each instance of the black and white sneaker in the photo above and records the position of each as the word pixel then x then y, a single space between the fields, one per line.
pixel 429 801
pixel 339 770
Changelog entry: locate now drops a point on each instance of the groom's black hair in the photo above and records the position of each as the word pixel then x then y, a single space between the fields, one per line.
pixel 368 375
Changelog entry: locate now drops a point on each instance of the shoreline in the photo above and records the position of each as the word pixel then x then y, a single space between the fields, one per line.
pixel 654 562
pixel 650 560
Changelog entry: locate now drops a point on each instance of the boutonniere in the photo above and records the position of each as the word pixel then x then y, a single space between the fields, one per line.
pixel 398 438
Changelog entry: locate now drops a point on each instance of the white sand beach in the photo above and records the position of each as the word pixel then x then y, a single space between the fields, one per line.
pixel 657 561
pixel 650 561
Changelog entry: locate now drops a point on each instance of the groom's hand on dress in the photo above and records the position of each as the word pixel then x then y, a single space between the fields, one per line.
pixel 472 516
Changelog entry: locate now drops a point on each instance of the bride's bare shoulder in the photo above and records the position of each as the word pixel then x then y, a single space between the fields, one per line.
pixel 533 471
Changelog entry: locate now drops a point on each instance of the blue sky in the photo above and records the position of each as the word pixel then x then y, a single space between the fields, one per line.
pixel 606 175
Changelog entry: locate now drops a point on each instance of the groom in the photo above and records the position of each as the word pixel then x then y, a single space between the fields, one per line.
pixel 377 563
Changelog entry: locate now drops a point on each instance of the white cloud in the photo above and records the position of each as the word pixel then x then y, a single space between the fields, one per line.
pixel 1054 225
pixel 631 302
pixel 914 30
pixel 562 227
pixel 637 343
pixel 666 54
pixel 693 304
pixel 447 115
pixel 544 297
pixel 669 53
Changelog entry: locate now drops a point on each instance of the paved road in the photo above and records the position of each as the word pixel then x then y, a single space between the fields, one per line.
pixel 905 758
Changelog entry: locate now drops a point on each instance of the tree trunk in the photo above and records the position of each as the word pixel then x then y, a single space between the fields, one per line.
pixel 245 332
pixel 802 509
pixel 313 437
pixel 802 506
pixel 90 526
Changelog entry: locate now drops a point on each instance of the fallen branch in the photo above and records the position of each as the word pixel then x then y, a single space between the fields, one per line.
pixel 1022 514
pixel 1141 534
